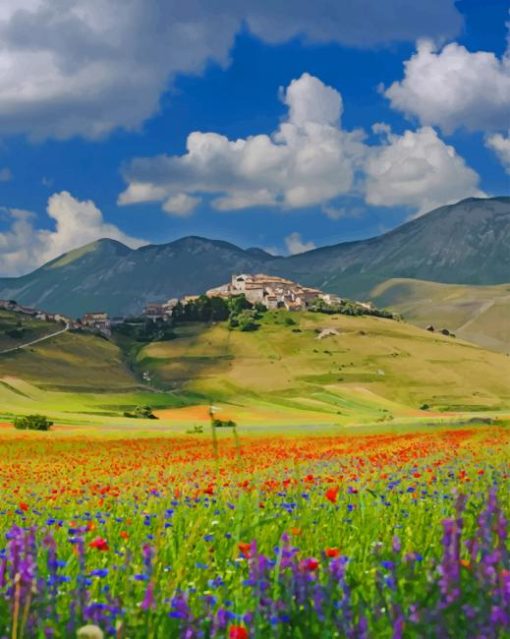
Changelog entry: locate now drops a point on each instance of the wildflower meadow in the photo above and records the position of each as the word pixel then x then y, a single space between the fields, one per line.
pixel 357 534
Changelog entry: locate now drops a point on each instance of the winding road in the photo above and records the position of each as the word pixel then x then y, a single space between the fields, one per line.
pixel 35 341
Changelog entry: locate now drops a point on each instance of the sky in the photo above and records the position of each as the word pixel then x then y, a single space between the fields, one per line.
pixel 273 123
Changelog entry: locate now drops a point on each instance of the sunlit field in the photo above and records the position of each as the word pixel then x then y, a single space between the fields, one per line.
pixel 369 534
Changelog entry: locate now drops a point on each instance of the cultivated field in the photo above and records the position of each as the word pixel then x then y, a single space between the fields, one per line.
pixel 368 533
pixel 373 369
pixel 476 313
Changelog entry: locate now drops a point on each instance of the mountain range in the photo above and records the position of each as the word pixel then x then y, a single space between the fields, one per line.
pixel 463 243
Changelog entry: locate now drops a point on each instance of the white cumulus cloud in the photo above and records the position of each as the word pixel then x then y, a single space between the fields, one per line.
pixel 310 160
pixel 180 204
pixel 500 144
pixel 87 67
pixel 24 247
pixel 295 244
pixel 307 161
pixel 418 170
pixel 453 87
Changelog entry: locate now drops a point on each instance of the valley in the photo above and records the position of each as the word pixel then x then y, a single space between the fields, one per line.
pixel 365 370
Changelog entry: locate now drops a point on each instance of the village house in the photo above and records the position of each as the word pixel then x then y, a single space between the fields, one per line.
pixel 271 291
pixel 98 321
pixel 160 310
pixel 155 311
pixel 44 316
pixel 7 305
pixel 25 310
pixel 331 299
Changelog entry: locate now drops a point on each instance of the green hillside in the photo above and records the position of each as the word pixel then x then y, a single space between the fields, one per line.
pixel 480 314
pixel 16 329
pixel 71 362
pixel 373 368
pixel 366 370
pixel 72 377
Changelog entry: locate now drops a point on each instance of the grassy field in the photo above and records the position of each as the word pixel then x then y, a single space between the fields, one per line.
pixel 29 329
pixel 369 533
pixel 86 408
pixel 372 369
pixel 71 362
pixel 339 507
pixel 479 314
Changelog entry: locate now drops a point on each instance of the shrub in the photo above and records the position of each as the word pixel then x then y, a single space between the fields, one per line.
pixel 196 430
pixel 32 422
pixel 219 423
pixel 248 325
pixel 141 412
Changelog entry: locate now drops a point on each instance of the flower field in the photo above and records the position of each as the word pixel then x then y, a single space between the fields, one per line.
pixel 386 534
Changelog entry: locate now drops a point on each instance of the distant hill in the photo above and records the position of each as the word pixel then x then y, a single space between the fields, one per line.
pixel 106 275
pixel 465 243
pixel 366 370
pixel 70 361
pixel 479 314
pixel 372 368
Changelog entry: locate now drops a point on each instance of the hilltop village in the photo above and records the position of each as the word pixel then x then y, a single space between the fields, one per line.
pixel 95 321
pixel 270 291
pixel 259 289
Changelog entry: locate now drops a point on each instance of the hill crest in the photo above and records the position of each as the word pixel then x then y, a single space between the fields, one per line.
pixel 463 243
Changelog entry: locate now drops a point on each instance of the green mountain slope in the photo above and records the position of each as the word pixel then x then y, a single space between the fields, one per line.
pixel 107 275
pixel 479 314
pixel 72 362
pixel 466 243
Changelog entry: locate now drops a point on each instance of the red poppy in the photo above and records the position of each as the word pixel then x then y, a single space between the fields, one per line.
pixel 23 506
pixel 100 543
pixel 237 632
pixel 332 494
pixel 310 564
pixel 244 549
pixel 332 552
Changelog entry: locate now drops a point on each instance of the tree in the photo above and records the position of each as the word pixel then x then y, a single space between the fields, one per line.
pixel 141 412
pixel 32 422
pixel 219 309
pixel 238 303
pixel 247 321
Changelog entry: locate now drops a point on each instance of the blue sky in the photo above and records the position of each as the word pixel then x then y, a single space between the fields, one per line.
pixel 96 144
